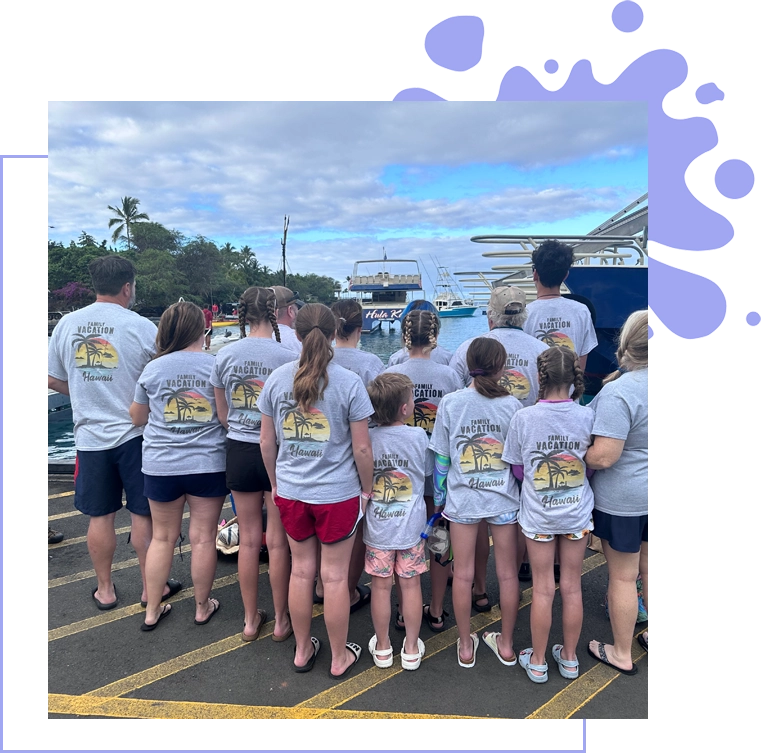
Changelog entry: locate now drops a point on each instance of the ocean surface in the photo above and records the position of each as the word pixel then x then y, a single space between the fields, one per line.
pixel 454 331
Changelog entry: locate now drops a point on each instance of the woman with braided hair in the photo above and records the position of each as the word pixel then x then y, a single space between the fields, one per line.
pixel 239 375
pixel 546 445
pixel 438 354
pixel 432 381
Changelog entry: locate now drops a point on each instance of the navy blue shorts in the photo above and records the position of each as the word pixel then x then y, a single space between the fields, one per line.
pixel 624 534
pixel 169 488
pixel 245 467
pixel 102 475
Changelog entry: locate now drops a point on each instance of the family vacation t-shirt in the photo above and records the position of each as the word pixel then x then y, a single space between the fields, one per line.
pixel 366 365
pixel 561 321
pixel 183 435
pixel 471 430
pixel 438 354
pixel 395 516
pixel 550 440
pixel 101 350
pixel 241 369
pixel 621 413
pixel 520 376
pixel 315 463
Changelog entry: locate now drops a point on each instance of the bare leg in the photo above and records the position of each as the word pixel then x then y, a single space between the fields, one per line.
pixel 413 616
pixel 319 589
pixel 204 517
pixel 300 596
pixel 521 552
pixel 506 559
pixel 335 568
pixel 380 609
pixel 140 536
pixel 439 576
pixel 541 554
pixel 481 561
pixel 571 559
pixel 166 521
pixel 248 506
pixel 463 539
pixel 643 575
pixel 101 543
pixel 280 566
pixel 357 564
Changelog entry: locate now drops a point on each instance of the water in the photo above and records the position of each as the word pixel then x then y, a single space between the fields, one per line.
pixel 454 331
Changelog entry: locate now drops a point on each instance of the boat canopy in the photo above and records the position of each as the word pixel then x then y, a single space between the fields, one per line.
pixel 385 274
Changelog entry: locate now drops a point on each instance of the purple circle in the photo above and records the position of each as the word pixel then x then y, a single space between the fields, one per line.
pixel 649 331
pixel 708 93
pixel 753 318
pixel 734 179
pixel 551 66
pixel 627 16
pixel 456 43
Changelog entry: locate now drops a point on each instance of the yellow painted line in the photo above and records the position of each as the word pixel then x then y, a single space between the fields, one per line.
pixel 133 708
pixel 582 690
pixel 64 515
pixel 62 494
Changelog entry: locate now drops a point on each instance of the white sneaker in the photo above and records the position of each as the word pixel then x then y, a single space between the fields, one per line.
pixel 412 661
pixel 384 657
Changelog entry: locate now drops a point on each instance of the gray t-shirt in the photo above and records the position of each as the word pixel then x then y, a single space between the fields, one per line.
pixel 100 351
pixel 471 430
pixel 561 321
pixel 315 462
pixel 241 369
pixel 395 516
pixel 522 351
pixel 288 339
pixel 621 413
pixel 366 365
pixel 183 435
pixel 550 440
pixel 438 354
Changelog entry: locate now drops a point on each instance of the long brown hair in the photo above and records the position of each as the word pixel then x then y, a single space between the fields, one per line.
pixel 256 305
pixel 348 313
pixel 558 366
pixel 180 326
pixel 315 325
pixel 420 329
pixel 486 360
pixel 632 346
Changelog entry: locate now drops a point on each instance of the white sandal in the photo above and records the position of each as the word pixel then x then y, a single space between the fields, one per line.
pixel 386 653
pixel 412 661
pixel 472 663
pixel 524 659
pixel 564 664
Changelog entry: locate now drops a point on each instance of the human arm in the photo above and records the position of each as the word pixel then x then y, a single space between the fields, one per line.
pixel 268 446
pixel 220 398
pixel 604 452
pixel 58 385
pixel 582 362
pixel 441 465
pixel 138 412
pixel 362 449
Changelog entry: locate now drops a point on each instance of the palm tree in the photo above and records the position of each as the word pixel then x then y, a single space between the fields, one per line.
pixel 92 348
pixel 299 420
pixel 553 466
pixel 249 393
pixel 179 396
pixel 126 215
pixel 471 443
pixel 386 477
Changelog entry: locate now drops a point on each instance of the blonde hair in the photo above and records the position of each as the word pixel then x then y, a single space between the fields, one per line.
pixel 420 329
pixel 256 305
pixel 315 326
pixel 632 346
pixel 558 366
pixel 388 392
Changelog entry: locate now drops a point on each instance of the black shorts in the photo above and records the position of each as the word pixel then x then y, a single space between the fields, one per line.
pixel 623 533
pixel 245 467
pixel 169 488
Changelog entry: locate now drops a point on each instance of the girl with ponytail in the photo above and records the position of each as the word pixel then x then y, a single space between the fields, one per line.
pixel 316 448
pixel 474 487
pixel 240 372
pixel 367 366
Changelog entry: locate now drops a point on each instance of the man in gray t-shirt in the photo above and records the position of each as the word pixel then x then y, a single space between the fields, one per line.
pixel 96 355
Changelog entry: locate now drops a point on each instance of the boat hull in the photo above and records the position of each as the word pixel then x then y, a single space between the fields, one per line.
pixel 459 311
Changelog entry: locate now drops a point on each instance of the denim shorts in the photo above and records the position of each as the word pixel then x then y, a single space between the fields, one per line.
pixel 506 518
pixel 169 488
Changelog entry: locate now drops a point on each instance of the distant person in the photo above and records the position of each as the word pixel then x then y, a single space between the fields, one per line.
pixel 438 354
pixel 208 317
pixel 183 457
pixel 288 305
pixel 96 355
pixel 215 310
pixel 553 319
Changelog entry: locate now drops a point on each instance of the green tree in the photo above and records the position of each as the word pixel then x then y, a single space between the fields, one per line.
pixel 159 281
pixel 154 235
pixel 126 216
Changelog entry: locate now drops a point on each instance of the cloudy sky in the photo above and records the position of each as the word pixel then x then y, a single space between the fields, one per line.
pixel 416 178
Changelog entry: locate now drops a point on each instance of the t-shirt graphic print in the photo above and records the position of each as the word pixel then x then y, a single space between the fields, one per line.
pixel 184 407
pixel 480 456
pixel 557 473
pixel 305 434
pixel 94 355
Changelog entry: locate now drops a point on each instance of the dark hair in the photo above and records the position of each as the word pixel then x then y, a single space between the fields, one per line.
pixel 110 274
pixel 487 357
pixel 180 326
pixel 315 325
pixel 388 392
pixel 420 329
pixel 348 313
pixel 254 306
pixel 558 366
pixel 552 260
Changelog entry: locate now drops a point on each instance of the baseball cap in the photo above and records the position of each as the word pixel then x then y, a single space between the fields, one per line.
pixel 285 297
pixel 508 299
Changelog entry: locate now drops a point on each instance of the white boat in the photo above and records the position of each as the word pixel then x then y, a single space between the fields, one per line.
pixel 449 300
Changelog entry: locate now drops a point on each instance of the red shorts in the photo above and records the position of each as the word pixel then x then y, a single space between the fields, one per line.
pixel 331 523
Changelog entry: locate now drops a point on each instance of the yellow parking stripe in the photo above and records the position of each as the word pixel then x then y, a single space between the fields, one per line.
pixel 63 515
pixel 62 494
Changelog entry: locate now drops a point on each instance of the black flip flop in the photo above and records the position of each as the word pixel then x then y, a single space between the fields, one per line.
pixel 100 604
pixel 603 659
pixel 217 607
pixel 642 641
pixel 364 598
pixel 165 610
pixel 174 587
pixel 357 651
pixel 308 666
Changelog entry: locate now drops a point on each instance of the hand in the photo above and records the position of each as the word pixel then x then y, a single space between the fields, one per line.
pixel 364 499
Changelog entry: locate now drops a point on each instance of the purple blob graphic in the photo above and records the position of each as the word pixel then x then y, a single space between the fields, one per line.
pixel 708 93
pixel 689 305
pixel 649 331
pixel 753 318
pixel 456 42
pixel 734 179
pixel 627 16
pixel 551 66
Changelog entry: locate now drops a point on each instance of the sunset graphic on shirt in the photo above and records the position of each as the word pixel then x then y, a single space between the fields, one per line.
pixel 390 485
pixel 245 393
pixel 423 415
pixel 557 471
pixel 94 352
pixel 186 408
pixel 516 383
pixel 481 455
pixel 553 337
pixel 312 426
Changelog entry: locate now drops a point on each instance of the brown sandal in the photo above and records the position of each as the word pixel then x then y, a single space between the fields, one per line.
pixel 262 619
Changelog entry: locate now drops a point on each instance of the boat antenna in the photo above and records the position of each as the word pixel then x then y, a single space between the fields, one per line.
pixel 286 221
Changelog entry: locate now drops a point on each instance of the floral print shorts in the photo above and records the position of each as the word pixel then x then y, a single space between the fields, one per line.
pixel 405 563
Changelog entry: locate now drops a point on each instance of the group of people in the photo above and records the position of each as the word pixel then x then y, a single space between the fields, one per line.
pixel 351 458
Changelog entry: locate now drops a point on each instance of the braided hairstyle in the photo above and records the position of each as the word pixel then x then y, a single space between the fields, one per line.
pixel 348 313
pixel 256 305
pixel 632 346
pixel 316 326
pixel 486 359
pixel 558 366
pixel 420 329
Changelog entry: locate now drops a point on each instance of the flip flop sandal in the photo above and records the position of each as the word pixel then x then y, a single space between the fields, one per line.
pixel 642 641
pixel 524 659
pixel 435 623
pixel 490 639
pixel 563 664
pixel 412 661
pixel 174 587
pixel 165 610
pixel 217 606
pixel 383 657
pixel 262 619
pixel 364 599
pixel 472 662
pixel 100 604
pixel 357 651
pixel 603 659
pixel 286 635
pixel 308 666
pixel 482 608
